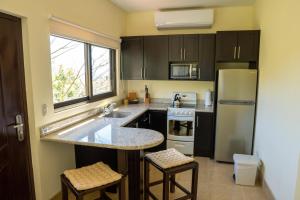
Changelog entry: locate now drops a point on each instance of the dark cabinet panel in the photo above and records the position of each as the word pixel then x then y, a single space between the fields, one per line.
pixel 175 48
pixel 183 48
pixel 190 48
pixel 248 46
pixel 237 46
pixel 203 144
pixel 207 57
pixel 132 58
pixel 156 58
pixel 226 46
pixel 158 122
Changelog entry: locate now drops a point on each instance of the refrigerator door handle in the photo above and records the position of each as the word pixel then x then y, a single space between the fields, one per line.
pixel 237 102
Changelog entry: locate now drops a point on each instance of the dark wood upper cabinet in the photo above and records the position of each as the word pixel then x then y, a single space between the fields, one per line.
pixel 226 46
pixel 175 48
pixel 156 63
pixel 203 144
pixel 132 58
pixel 237 46
pixel 190 48
pixel 183 48
pixel 207 43
pixel 248 46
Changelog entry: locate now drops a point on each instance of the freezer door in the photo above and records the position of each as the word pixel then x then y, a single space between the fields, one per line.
pixel 237 84
pixel 234 130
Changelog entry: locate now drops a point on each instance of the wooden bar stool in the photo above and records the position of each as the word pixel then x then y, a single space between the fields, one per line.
pixel 96 177
pixel 170 162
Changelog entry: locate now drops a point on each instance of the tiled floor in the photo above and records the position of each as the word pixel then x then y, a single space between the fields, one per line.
pixel 215 183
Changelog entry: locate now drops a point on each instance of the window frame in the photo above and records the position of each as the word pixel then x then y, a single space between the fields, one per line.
pixel 88 76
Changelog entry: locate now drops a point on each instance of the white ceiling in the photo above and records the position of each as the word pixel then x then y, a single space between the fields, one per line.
pixel 146 5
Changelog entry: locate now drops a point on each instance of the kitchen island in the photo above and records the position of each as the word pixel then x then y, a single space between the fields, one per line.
pixel 109 134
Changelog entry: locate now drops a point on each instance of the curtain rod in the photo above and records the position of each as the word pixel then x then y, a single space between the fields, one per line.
pixel 57 19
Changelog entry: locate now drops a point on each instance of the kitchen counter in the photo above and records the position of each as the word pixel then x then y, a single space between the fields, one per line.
pixel 100 131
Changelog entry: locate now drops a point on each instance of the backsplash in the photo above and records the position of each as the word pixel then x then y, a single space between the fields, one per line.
pixel 164 89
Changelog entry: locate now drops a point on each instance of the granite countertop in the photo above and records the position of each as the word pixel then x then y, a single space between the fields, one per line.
pixel 100 131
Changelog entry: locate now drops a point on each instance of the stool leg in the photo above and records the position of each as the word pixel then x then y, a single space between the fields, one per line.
pixel 166 186
pixel 172 185
pixel 64 190
pixel 195 182
pixel 146 180
pixel 122 189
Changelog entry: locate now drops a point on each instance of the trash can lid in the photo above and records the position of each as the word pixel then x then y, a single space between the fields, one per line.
pixel 243 159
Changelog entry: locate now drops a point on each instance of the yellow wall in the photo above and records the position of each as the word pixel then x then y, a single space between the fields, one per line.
pixel 142 23
pixel 164 89
pixel 50 159
pixel 277 131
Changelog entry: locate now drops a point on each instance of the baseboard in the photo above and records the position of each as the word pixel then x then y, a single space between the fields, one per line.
pixel 261 180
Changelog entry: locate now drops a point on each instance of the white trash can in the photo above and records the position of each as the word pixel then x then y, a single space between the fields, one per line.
pixel 245 169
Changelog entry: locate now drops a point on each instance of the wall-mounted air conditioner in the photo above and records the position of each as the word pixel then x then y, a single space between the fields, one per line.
pixel 200 18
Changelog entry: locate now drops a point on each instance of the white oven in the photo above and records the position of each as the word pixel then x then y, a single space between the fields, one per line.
pixel 180 129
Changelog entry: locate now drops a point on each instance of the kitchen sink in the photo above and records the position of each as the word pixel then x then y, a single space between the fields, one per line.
pixel 117 114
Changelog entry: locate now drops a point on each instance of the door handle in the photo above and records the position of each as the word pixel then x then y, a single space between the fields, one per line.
pixel 184 54
pixel 190 71
pixel 145 72
pixel 199 73
pixel 19 126
pixel 239 52
pixel 142 73
pixel 234 53
pixel 180 53
pixel 197 121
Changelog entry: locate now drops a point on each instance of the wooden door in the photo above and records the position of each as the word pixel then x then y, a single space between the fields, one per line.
pixel 156 58
pixel 226 46
pixel 132 58
pixel 175 48
pixel 248 46
pixel 16 180
pixel 207 43
pixel 203 145
pixel 190 48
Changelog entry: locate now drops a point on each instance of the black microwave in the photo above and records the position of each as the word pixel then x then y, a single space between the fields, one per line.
pixel 184 71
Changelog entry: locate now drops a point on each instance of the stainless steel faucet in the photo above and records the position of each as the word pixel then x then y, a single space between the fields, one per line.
pixel 109 108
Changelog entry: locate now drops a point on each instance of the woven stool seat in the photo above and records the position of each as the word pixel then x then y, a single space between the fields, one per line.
pixel 92 176
pixel 169 158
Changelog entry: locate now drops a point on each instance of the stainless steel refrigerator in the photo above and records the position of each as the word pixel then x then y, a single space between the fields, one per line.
pixel 235 112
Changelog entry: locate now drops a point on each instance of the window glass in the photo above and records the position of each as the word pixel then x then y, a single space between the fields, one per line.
pixel 68 69
pixel 101 70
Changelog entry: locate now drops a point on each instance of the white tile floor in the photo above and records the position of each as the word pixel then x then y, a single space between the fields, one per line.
pixel 215 183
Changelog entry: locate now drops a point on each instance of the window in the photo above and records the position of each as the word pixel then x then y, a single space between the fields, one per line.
pixel 81 71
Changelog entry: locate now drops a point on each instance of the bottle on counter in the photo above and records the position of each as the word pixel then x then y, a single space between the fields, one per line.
pixel 147 95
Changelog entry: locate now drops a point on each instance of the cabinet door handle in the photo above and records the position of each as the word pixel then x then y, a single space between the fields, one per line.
pixel 184 54
pixel 199 73
pixel 234 53
pixel 180 53
pixel 197 121
pixel 239 52
pixel 145 72
pixel 149 118
pixel 142 73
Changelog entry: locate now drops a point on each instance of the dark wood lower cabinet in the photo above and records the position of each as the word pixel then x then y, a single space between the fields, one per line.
pixel 158 122
pixel 203 145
